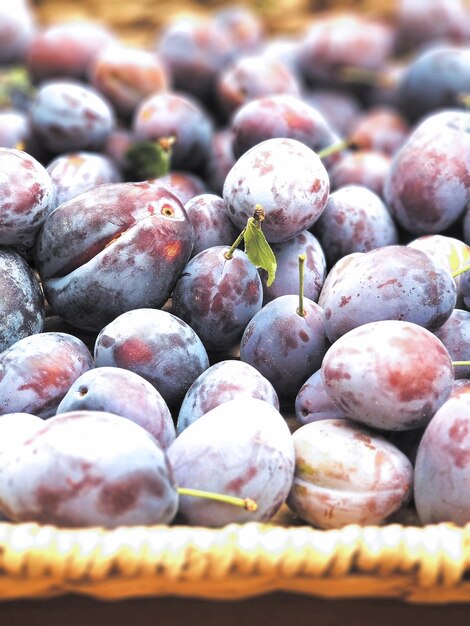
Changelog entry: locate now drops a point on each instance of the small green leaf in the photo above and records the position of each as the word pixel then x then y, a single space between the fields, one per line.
pixel 148 159
pixel 258 249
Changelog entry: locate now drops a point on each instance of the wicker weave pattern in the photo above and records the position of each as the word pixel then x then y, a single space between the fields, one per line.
pixel 417 564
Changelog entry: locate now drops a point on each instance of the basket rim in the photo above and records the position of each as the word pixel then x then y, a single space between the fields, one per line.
pixel 415 564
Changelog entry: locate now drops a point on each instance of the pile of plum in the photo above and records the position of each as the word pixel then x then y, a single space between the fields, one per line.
pixel 145 352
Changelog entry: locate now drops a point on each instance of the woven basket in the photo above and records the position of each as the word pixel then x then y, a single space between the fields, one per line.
pixel 238 561
pixel 399 560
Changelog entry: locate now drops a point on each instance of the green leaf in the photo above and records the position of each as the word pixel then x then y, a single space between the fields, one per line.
pixel 148 159
pixel 258 249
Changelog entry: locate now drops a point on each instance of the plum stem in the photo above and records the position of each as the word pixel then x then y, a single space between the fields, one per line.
pixel 229 254
pixel 461 270
pixel 245 503
pixel 460 362
pixel 335 148
pixel 301 309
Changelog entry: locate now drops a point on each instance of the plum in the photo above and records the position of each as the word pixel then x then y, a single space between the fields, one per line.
pixel 194 50
pixel 37 371
pixel 452 253
pixel 287 271
pixel 158 346
pixel 220 383
pixel 75 172
pixel 88 468
pixel 253 76
pixel 345 474
pixel 283 345
pixel 22 308
pixel 218 295
pixel 17 29
pixel 442 464
pixel 394 282
pixel 67 116
pixel 167 114
pixel 388 374
pixel 382 129
pixel 287 178
pixel 97 264
pixel 242 448
pixel 426 189
pixel 122 392
pixel 354 220
pixel 220 160
pixel 66 49
pixel 184 185
pixel 211 223
pixel 14 128
pixel 26 197
pixel 455 335
pixel 279 115
pixel 364 167
pixel 126 75
pixel 342 40
pixel 314 402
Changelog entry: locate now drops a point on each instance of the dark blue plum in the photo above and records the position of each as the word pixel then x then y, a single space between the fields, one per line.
pixel 285 347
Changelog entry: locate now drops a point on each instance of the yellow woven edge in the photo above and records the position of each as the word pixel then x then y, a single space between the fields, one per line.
pixel 238 561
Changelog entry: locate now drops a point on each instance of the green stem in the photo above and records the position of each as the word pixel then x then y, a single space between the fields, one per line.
pixel 245 503
pixel 301 309
pixel 460 271
pixel 334 148
pixel 460 362
pixel 229 254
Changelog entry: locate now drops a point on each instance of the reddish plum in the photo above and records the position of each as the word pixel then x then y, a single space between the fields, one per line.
pixel 280 115
pixel 427 188
pixel 184 185
pixel 251 77
pixel 369 169
pixel 37 371
pixel 194 51
pixel 455 335
pixel 313 402
pixel 158 346
pixel 443 462
pixel 388 374
pixel 26 197
pixel 126 76
pixel 347 474
pixel 66 49
pixel 122 392
pixel 97 264
pixel 343 40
